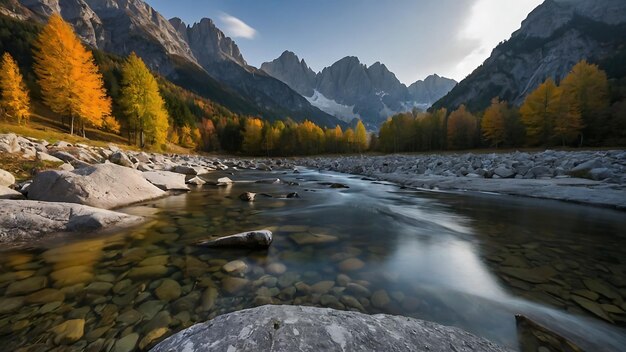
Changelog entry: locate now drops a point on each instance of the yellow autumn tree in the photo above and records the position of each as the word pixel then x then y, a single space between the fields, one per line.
pixel 70 82
pixel 461 129
pixel 493 123
pixel 539 112
pixel 15 101
pixel 586 93
pixel 142 103
pixel 253 136
pixel 360 137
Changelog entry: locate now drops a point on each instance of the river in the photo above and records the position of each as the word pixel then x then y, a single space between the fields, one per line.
pixel 472 261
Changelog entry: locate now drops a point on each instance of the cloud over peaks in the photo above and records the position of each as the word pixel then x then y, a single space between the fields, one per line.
pixel 236 28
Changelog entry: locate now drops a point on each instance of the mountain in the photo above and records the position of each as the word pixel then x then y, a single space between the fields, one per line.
pixel 199 58
pixel 552 39
pixel 349 89
pixel 221 58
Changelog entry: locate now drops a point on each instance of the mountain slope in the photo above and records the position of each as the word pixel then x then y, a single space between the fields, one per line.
pixel 349 89
pixel 552 39
pixel 221 58
pixel 124 26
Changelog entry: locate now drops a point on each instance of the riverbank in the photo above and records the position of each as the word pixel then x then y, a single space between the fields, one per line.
pixel 595 178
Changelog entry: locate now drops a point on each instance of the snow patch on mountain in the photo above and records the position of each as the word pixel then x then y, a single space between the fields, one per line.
pixel 329 106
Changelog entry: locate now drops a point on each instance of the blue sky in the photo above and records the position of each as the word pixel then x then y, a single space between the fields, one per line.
pixel 413 38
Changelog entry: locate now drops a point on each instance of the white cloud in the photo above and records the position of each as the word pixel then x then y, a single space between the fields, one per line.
pixel 236 28
pixel 489 23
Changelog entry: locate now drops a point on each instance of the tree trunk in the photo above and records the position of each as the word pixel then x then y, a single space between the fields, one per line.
pixel 72 124
pixel 141 139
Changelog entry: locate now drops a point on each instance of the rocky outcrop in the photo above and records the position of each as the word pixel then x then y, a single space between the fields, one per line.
pixel 26 220
pixel 372 93
pixel 290 328
pixel 552 39
pixel 97 186
pixel 296 74
pixel 210 44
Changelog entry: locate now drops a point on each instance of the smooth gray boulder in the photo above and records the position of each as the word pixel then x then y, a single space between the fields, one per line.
pixel 120 158
pixel 166 180
pixel 297 328
pixel 6 178
pixel 8 193
pixel 24 220
pixel 251 239
pixel 9 143
pixel 103 186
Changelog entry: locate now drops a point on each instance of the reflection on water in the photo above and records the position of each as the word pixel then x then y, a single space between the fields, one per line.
pixel 468 261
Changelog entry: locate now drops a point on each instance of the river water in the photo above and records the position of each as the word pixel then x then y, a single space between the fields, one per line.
pixel 472 261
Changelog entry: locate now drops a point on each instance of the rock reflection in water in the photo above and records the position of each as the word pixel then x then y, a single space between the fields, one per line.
pixel 456 260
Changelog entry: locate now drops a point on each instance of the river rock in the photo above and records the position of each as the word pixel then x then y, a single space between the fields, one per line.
pixel 252 239
pixel 120 158
pixel 166 180
pixel 276 268
pixel 169 290
pixel 8 193
pixel 306 238
pixel 10 304
pixel 235 266
pixel 322 287
pixel 247 196
pixel 150 271
pixel 309 329
pixel 46 295
pixel 6 178
pixel 196 181
pixel 380 299
pixel 22 220
pixel 223 181
pixel 504 172
pixel 190 170
pixel 151 337
pixel 69 331
pixel 126 343
pixel 351 264
pixel 233 285
pixel 98 186
pixel 25 286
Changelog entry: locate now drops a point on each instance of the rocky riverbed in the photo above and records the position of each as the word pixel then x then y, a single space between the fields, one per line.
pixel 587 177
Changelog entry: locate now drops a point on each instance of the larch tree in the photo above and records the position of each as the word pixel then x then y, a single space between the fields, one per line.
pixel 540 110
pixel 586 93
pixel 253 136
pixel 70 82
pixel 493 122
pixel 461 129
pixel 142 103
pixel 15 101
pixel 360 137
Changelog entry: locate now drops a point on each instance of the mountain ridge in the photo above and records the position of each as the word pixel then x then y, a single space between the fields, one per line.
pixel 550 41
pixel 349 88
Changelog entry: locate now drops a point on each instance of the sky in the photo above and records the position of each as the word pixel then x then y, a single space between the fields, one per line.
pixel 413 38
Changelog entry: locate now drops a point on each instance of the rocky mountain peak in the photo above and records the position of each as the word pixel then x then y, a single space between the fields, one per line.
pixel 208 43
pixel 293 71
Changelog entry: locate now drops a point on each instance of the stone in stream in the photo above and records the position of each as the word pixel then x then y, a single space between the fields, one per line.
pixel 196 181
pixel 309 329
pixel 306 238
pixel 223 181
pixel 338 185
pixel 351 264
pixel 46 295
pixel 166 180
pixel 152 337
pixel 126 343
pixel 235 266
pixel 11 304
pixel 25 220
pixel 233 285
pixel 247 196
pixel 169 290
pixel 69 331
pixel 592 307
pixel 380 299
pixel 98 186
pixel 252 239
pixel 25 286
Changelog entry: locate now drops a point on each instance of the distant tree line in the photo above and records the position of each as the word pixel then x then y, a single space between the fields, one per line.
pixel 584 110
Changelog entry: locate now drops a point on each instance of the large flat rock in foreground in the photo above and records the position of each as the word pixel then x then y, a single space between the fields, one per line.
pixel 103 186
pixel 27 220
pixel 297 328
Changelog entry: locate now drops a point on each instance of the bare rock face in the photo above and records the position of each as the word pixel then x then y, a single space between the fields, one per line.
pixel 297 328
pixel 25 220
pixel 552 39
pixel 166 180
pixel 97 186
